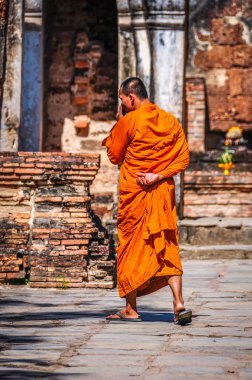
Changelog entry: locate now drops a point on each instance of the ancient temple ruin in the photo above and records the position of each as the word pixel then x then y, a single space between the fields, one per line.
pixel 60 66
pixel 49 233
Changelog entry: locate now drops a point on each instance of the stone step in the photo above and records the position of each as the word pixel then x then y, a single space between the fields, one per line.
pixel 234 251
pixel 212 231
pixel 215 237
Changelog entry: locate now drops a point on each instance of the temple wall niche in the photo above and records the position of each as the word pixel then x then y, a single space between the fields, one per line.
pixel 220 51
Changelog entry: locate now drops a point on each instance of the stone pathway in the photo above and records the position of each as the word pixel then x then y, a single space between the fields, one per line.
pixel 62 334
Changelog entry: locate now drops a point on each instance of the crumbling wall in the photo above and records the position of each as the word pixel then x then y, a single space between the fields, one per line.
pixel 81 79
pixel 49 234
pixel 81 64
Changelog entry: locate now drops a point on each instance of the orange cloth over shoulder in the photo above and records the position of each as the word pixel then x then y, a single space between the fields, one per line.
pixel 147 140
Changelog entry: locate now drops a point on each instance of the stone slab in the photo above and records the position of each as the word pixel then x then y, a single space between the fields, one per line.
pixel 58 334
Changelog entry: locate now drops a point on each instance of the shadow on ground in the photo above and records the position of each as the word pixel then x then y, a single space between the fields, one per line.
pixel 20 374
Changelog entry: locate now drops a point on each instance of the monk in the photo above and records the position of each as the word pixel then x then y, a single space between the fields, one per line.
pixel 151 148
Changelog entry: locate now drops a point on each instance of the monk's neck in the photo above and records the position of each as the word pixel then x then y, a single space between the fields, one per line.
pixel 142 103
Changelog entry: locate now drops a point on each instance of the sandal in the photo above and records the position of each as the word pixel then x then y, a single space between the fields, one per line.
pixel 123 318
pixel 183 317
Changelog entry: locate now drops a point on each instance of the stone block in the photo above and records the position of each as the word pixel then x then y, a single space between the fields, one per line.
pixel 242 55
pixel 235 81
pixel 216 57
pixel 243 109
pixel 218 111
pixel 100 284
pixel 224 33
pixel 247 82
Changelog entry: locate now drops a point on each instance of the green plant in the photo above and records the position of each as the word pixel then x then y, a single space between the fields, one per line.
pixel 226 157
pixel 64 283
pixel 27 281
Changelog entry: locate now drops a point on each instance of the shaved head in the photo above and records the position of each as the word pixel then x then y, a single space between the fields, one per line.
pixel 134 85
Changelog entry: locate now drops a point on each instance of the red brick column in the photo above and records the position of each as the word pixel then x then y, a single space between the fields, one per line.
pixel 48 232
pixel 196 109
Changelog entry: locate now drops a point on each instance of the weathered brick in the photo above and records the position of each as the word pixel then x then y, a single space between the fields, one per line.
pixel 11 177
pixel 6 170
pixel 224 33
pixel 9 268
pixel 48 199
pixel 66 252
pixel 40 236
pixel 242 55
pixel 44 165
pixel 25 165
pixel 79 220
pixel 217 57
pixel 55 242
pixel 75 199
pixel 11 164
pixel 243 108
pixel 235 81
pixel 29 171
pixel 79 214
pixel 75 241
pixel 21 215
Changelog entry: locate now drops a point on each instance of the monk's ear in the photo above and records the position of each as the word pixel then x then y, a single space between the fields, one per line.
pixel 131 100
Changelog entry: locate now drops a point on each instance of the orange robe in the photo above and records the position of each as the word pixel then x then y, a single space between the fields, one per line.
pixel 147 140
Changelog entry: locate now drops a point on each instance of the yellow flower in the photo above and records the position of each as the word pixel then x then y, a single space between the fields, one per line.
pixel 234 132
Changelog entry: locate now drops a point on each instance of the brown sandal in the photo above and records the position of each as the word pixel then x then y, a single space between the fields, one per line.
pixel 183 317
pixel 123 318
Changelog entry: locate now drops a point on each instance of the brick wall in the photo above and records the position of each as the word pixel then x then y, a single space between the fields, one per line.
pixel 81 78
pixel 220 50
pixel 80 64
pixel 48 232
pixel 94 91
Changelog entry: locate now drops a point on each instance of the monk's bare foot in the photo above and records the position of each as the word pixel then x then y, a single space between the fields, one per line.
pixel 182 315
pixel 131 314
pixel 178 306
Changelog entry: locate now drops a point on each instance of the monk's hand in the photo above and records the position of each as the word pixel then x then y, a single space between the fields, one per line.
pixel 148 178
pixel 119 114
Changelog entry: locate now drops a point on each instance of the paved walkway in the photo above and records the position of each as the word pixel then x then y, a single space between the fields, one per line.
pixel 62 334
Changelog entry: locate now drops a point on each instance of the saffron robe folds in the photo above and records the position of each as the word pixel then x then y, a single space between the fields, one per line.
pixel 147 140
